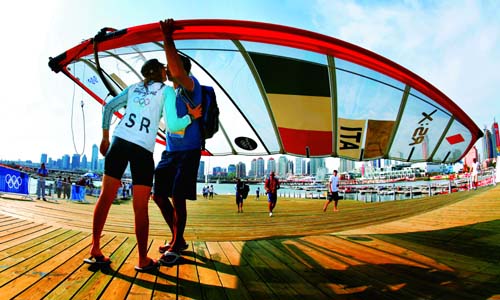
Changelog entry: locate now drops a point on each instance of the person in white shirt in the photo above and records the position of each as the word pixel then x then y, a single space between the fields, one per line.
pixel 475 172
pixel 333 192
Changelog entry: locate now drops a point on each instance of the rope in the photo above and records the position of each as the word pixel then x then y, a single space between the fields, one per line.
pixel 72 129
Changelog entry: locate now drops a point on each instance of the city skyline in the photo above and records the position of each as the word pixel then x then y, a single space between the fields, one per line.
pixel 79 161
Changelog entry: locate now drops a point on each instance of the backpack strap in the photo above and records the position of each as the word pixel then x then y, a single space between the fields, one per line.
pixel 184 94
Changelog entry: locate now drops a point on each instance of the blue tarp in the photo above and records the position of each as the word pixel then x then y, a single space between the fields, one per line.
pixel 78 193
pixel 13 181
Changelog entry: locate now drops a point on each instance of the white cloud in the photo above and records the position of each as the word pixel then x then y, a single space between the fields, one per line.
pixel 452 44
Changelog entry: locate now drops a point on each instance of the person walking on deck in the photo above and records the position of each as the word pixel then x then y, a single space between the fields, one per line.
pixel 333 192
pixel 272 184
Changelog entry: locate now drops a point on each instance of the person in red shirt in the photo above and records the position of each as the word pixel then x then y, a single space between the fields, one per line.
pixel 272 185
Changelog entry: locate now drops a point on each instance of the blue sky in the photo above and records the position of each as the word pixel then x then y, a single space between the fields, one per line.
pixel 455 45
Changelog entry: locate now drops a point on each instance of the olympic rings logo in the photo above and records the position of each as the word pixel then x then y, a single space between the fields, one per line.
pixel 142 101
pixel 13 181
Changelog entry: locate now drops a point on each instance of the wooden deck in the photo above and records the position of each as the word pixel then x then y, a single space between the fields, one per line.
pixel 443 247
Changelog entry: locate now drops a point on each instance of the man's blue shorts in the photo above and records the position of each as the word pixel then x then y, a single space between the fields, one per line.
pixel 176 174
pixel 272 197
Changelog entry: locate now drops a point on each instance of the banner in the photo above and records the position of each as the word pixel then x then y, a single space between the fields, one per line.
pixel 13 181
pixel 350 138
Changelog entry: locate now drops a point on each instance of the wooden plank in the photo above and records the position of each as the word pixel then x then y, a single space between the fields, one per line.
pixel 458 261
pixel 166 281
pixel 23 236
pixel 58 256
pixel 99 282
pixel 279 287
pixel 144 283
pixel 124 276
pixel 17 228
pixel 8 223
pixel 380 245
pixel 297 260
pixel 295 284
pixel 49 281
pixel 228 276
pixel 395 272
pixel 26 260
pixel 211 286
pixel 20 253
pixel 248 277
pixel 341 270
pixel 188 283
pixel 83 273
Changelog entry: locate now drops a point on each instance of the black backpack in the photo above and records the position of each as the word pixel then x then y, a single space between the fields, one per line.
pixel 210 118
pixel 246 190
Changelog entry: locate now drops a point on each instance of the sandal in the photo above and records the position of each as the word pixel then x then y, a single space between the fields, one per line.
pixel 170 258
pixel 97 260
pixel 163 249
pixel 153 264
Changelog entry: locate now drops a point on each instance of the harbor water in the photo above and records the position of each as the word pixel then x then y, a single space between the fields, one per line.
pixel 374 192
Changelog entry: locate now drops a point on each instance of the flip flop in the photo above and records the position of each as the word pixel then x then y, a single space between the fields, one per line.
pixel 170 258
pixel 153 264
pixel 163 249
pixel 97 260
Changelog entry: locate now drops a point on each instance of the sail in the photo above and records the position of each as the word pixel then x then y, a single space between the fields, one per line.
pixel 284 90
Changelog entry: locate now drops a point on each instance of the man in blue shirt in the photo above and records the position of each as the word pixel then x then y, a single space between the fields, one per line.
pixel 40 188
pixel 176 173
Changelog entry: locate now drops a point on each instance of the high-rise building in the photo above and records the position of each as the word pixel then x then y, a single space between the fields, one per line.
pixel 75 161
pixel 487 144
pixel 84 163
pixel 346 165
pixel 216 171
pixel 315 164
pixel 252 173
pixel 260 172
pixel 271 166
pixel 231 169
pixel 241 170
pixel 66 162
pixel 100 165
pixel 95 157
pixel 43 158
pixel 495 136
pixel 201 170
pixel 282 167
pixel 290 167
pixel 300 166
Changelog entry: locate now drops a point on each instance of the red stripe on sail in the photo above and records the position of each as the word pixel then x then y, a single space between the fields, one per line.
pixel 455 139
pixel 294 141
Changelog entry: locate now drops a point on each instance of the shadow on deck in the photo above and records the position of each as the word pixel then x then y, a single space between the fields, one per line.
pixel 444 248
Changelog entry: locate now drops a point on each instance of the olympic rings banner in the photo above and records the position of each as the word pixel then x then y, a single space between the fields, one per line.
pixel 13 181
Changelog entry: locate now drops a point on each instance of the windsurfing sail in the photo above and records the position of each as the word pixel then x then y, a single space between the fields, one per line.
pixel 284 90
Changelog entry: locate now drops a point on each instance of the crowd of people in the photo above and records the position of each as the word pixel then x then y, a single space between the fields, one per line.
pixel 61 187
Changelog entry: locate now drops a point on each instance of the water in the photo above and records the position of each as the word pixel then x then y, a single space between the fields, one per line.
pixel 228 188
pixel 285 191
